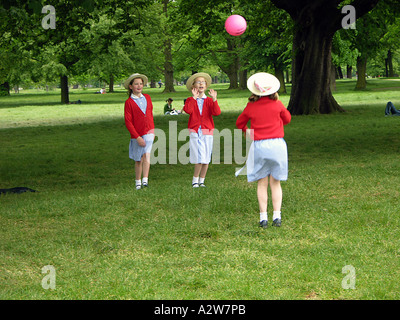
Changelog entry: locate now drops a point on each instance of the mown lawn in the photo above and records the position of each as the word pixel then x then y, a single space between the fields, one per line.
pixel 105 240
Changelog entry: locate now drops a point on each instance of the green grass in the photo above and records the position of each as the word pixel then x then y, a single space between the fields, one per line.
pixel 108 241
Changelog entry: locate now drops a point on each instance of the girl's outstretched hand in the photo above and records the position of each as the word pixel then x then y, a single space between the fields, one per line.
pixel 195 93
pixel 213 94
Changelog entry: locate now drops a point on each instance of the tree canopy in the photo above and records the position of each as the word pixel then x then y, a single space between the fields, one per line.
pixel 301 41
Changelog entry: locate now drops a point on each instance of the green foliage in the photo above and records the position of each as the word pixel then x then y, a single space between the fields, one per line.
pixel 110 39
pixel 268 44
pixel 343 50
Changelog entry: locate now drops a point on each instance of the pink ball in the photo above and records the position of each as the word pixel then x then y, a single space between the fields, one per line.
pixel 235 25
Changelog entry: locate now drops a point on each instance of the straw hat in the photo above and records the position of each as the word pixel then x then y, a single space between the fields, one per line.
pixel 263 84
pixel 193 77
pixel 134 76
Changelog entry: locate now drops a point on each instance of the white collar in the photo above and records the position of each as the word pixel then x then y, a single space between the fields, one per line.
pixel 136 97
pixel 203 96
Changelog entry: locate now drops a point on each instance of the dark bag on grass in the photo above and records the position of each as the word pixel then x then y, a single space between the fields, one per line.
pixel 16 190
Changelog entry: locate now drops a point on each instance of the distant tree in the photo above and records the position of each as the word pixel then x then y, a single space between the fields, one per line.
pixel 70 48
pixel 390 42
pixel 109 58
pixel 370 31
pixel 66 40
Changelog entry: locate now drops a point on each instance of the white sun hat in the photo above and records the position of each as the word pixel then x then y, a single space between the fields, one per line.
pixel 134 76
pixel 263 84
pixel 193 77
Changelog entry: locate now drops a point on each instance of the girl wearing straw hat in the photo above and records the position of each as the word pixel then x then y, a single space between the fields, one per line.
pixel 140 124
pixel 201 110
pixel 267 162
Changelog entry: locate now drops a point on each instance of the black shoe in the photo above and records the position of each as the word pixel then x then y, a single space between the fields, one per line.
pixel 202 185
pixel 144 185
pixel 264 224
pixel 277 222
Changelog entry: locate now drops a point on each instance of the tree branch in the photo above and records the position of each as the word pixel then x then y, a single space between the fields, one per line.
pixel 290 6
pixel 363 6
pixel 328 10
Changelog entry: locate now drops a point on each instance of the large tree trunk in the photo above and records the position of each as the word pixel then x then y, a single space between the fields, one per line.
pixel 232 73
pixel 339 72
pixel 168 67
pixel 242 69
pixel 287 74
pixel 311 89
pixel 243 79
pixel 281 77
pixel 230 65
pixel 386 68
pixel 361 71
pixel 233 78
pixel 333 77
pixel 64 89
pixel 4 89
pixel 349 72
pixel 111 84
pixel 316 21
pixel 390 63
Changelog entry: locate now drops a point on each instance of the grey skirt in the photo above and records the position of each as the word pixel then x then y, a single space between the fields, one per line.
pixel 136 152
pixel 267 157
pixel 200 146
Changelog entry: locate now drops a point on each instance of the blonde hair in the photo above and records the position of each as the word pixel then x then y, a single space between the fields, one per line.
pixel 254 97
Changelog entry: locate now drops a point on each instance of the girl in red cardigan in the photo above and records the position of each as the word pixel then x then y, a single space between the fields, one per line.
pixel 140 124
pixel 201 109
pixel 267 161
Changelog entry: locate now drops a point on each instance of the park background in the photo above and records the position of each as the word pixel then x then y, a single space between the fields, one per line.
pixel 105 240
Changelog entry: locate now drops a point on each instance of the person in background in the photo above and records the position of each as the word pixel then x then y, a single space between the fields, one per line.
pixel 391 110
pixel 168 106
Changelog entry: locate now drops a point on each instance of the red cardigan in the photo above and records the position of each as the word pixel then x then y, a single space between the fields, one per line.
pixel 138 123
pixel 205 120
pixel 267 118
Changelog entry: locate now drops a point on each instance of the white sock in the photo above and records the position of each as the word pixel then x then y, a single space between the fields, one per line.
pixel 138 182
pixel 263 216
pixel 276 215
pixel 201 180
pixel 195 180
pixel 145 180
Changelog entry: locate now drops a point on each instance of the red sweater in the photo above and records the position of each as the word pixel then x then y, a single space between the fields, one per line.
pixel 267 118
pixel 205 120
pixel 138 123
